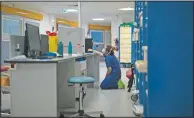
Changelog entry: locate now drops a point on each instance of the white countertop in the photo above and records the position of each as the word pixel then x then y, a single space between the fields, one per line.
pixel 53 60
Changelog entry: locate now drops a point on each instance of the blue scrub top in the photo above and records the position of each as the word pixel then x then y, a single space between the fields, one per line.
pixel 111 61
pixel 110 82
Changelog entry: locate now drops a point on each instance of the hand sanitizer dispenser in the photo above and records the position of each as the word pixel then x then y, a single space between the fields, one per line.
pixel 17 49
pixel 145 52
pixel 141 65
pixel 135 34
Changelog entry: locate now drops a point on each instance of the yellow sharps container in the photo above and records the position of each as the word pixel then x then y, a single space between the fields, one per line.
pixel 53 43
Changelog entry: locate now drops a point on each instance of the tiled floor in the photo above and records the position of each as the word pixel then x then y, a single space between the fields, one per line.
pixel 113 103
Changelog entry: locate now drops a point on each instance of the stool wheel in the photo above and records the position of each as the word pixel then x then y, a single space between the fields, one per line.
pixel 77 99
pixel 134 98
pixel 136 114
pixel 102 116
pixel 61 116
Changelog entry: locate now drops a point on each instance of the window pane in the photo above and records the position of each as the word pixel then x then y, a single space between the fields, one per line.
pixel 12 26
pixel 4 51
pixel 97 36
pixel 5 26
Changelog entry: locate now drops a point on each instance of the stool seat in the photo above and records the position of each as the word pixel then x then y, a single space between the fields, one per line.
pixel 81 80
pixel 80 113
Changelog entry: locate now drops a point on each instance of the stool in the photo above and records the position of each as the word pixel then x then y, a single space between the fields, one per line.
pixel 81 80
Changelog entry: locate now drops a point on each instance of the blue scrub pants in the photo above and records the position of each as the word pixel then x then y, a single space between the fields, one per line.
pixel 110 82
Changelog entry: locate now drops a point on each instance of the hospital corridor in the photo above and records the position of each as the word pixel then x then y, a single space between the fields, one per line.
pixel 96 59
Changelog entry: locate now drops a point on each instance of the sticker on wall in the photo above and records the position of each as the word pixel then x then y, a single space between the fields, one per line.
pixel 12 67
pixel 6 37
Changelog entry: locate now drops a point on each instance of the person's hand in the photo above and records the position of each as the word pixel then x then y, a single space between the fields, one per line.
pixel 90 50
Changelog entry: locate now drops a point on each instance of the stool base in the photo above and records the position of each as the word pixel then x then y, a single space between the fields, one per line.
pixel 81 113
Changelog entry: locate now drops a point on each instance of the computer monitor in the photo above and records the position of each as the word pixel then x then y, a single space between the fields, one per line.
pixel 44 44
pixel 33 40
pixel 88 45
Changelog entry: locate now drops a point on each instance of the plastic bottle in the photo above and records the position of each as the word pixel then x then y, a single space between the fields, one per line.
pixel 60 48
pixel 70 48
pixel 18 53
pixel 78 49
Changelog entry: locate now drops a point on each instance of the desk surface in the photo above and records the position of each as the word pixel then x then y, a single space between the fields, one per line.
pixel 54 60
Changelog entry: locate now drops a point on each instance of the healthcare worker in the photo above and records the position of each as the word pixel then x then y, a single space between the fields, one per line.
pixel 113 74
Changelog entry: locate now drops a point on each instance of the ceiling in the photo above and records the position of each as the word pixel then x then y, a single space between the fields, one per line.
pixel 107 10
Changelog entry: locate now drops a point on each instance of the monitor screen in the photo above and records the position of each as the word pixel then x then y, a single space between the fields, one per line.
pixel 33 37
pixel 44 44
pixel 88 45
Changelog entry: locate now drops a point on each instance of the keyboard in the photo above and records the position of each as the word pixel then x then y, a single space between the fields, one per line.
pixel 43 57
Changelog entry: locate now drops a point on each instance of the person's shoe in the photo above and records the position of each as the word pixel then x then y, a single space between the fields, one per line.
pixel 121 85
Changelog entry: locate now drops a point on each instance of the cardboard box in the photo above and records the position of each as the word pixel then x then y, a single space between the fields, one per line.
pixel 5 81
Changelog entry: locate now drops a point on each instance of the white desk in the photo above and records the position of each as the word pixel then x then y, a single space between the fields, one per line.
pixel 39 88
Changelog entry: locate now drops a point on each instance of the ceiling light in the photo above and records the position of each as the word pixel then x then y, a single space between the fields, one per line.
pixel 68 10
pixel 126 9
pixel 53 20
pixel 99 19
pixel 71 10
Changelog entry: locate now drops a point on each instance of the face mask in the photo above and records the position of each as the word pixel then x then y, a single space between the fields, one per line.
pixel 103 51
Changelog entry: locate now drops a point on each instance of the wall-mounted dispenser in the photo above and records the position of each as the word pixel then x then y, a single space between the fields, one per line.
pixel 141 18
pixel 135 24
pixel 141 65
pixel 136 34
pixel 145 52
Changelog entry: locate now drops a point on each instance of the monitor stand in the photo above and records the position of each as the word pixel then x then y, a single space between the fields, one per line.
pixel 34 54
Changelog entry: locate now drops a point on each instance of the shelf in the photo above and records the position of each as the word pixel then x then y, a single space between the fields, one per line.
pixel 125 36
pixel 125 39
pixel 125 47
pixel 125 61
pixel 125 56
pixel 125 44
pixel 125 53
pixel 124 29
pixel 141 66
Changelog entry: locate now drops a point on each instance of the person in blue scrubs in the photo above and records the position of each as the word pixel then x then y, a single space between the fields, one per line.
pixel 113 74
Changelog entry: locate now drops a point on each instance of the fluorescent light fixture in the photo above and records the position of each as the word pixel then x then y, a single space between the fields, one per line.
pixel 99 19
pixel 126 9
pixel 69 10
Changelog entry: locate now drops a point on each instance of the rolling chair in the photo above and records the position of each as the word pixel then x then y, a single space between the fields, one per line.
pixel 80 113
